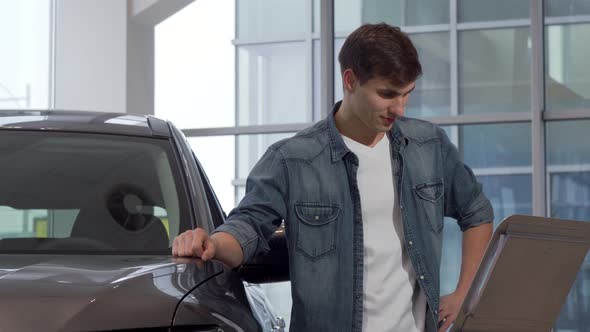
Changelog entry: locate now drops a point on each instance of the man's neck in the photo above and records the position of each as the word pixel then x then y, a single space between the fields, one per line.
pixel 352 127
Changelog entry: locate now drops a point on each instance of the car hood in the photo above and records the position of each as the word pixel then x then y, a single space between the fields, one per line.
pixel 85 293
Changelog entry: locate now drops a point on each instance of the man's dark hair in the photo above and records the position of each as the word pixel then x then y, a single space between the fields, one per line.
pixel 380 51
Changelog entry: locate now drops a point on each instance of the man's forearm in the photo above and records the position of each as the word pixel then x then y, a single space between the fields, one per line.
pixel 227 249
pixel 475 242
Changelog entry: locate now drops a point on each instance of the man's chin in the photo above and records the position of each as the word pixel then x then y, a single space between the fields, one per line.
pixel 385 128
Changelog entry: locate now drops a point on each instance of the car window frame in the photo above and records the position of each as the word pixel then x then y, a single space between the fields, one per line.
pixel 217 212
pixel 197 188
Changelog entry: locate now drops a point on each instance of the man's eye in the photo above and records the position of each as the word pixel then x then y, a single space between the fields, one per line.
pixel 388 95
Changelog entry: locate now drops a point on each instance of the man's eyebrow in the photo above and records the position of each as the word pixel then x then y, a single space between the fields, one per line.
pixel 398 92
pixel 412 89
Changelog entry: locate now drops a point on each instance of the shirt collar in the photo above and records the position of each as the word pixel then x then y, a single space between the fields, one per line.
pixel 339 148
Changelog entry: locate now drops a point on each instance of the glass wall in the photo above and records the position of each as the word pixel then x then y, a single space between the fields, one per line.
pixel 567 88
pixel 478 61
pixel 275 86
pixel 499 10
pixel 494 70
pixel 25 32
pixel 272 84
pixel 568 74
pixel 568 172
pixel 432 95
pixel 262 20
pixel 500 156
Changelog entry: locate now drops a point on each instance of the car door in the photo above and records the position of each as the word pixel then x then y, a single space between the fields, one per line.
pixel 223 295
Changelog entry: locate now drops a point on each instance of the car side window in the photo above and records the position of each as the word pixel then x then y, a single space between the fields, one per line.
pixel 197 186
pixel 217 212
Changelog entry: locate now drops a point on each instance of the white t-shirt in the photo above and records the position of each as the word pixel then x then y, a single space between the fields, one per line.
pixel 392 300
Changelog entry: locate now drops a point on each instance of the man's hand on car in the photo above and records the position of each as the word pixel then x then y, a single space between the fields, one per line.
pixel 220 246
pixel 194 243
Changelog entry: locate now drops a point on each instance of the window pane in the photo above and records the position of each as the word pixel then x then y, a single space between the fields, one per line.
pixel 570 194
pixel 567 143
pixel 24 68
pixel 424 12
pixel 494 71
pixel 450 264
pixel 568 158
pixel 485 10
pixel 338 89
pixel 317 98
pixel 316 16
pixel 433 89
pixel 276 19
pixel 567 8
pixel 499 145
pixel 252 147
pixel 348 17
pixel 509 194
pixel 376 11
pixel 272 84
pixel 217 156
pixel 195 86
pixel 567 70
pixel 451 132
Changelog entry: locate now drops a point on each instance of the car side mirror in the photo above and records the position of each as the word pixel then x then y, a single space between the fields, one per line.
pixel 271 267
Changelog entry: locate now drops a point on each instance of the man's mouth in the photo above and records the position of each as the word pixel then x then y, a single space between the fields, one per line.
pixel 388 120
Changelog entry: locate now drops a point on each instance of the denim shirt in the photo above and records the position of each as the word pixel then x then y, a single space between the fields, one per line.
pixel 309 182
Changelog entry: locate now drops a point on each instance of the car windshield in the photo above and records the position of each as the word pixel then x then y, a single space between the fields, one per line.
pixel 88 193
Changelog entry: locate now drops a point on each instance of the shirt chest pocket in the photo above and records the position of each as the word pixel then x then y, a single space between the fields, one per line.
pixel 316 228
pixel 430 197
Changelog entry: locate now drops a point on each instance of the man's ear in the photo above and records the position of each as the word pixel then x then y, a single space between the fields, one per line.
pixel 349 80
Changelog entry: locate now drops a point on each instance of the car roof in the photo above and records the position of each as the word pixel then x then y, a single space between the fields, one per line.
pixel 84 121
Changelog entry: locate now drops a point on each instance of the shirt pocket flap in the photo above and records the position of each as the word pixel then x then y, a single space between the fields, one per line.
pixel 430 191
pixel 316 214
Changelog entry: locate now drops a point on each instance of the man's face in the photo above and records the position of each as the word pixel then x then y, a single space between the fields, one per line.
pixel 377 103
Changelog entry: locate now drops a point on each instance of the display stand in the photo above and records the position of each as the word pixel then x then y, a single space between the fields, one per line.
pixel 525 275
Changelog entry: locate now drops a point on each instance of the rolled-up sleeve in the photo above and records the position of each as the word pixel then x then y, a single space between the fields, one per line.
pixel 464 198
pixel 263 207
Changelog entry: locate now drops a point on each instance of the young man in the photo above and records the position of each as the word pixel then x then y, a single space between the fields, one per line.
pixel 363 194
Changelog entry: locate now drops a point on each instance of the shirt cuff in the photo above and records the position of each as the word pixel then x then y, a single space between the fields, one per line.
pixel 484 214
pixel 244 233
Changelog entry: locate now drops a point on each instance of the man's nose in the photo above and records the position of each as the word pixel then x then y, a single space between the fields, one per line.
pixel 397 106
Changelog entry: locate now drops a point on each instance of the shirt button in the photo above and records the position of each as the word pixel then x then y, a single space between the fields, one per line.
pixel 422 277
pixel 411 243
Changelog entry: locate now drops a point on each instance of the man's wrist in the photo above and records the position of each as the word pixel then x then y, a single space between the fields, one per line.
pixel 215 244
pixel 462 291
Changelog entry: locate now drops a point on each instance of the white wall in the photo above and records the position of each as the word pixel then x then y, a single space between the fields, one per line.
pixel 104 58
pixel 24 54
pixel 91 53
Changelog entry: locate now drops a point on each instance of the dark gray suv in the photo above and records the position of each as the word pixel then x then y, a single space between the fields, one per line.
pixel 89 206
